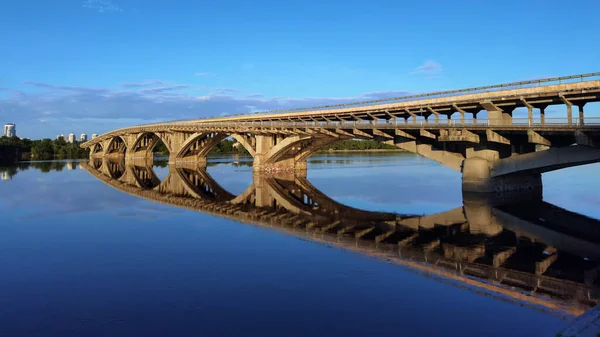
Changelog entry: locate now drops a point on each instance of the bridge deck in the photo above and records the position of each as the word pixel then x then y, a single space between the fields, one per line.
pixel 530 94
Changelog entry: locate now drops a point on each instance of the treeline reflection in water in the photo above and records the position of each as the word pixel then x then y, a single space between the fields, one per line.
pixel 8 172
pixel 528 252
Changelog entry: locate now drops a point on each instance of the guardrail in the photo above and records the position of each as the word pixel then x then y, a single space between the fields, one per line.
pixel 563 122
pixel 438 94
pixel 492 88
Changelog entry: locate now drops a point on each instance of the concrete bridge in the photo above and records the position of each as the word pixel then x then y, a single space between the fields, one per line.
pixel 489 246
pixel 498 153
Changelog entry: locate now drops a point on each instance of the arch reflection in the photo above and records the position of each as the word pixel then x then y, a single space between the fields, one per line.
pixel 525 251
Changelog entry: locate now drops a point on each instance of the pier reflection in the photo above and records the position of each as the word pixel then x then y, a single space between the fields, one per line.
pixel 529 252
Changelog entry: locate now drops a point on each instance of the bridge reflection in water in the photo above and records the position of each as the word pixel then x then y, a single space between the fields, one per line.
pixel 528 252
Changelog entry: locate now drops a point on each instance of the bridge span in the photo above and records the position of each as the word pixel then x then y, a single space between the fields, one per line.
pixel 501 152
pixel 523 251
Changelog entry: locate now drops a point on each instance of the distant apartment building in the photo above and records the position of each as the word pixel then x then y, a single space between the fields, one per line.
pixel 83 137
pixel 71 138
pixel 10 130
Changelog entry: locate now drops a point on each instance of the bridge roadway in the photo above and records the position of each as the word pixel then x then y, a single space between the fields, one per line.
pixel 488 246
pixel 496 154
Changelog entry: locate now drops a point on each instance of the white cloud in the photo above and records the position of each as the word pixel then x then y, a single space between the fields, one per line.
pixel 429 67
pixel 201 74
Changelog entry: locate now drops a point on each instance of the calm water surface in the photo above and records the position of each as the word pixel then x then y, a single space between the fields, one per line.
pixel 86 254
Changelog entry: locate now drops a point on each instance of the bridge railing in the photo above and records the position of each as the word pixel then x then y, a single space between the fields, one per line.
pixel 492 88
pixel 438 94
pixel 525 122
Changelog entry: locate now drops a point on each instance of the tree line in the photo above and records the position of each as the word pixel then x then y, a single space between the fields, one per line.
pixel 227 147
pixel 13 149
pixel 42 166
pixel 358 145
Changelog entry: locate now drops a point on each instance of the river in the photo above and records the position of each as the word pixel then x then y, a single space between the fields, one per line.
pixel 371 244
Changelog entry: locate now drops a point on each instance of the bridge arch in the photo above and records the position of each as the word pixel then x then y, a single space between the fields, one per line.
pixel 116 145
pixel 198 145
pixel 115 168
pixel 285 149
pixel 247 142
pixel 145 142
pixel 96 163
pixel 201 185
pixel 97 150
pixel 314 145
pixel 144 176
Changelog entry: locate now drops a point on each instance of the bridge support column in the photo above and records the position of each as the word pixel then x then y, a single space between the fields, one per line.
pixel 477 177
pixel 580 106
pixel 262 197
pixel 140 155
pixel 275 154
pixel 543 115
pixel 497 115
pixel 569 105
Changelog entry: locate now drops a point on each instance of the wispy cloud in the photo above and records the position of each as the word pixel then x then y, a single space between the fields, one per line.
pixel 201 74
pixel 165 88
pixel 254 96
pixel 43 120
pixel 102 109
pixel 63 87
pixel 142 84
pixel 102 6
pixel 221 91
pixel 429 67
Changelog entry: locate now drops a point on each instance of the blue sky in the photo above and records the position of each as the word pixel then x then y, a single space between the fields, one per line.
pixel 95 65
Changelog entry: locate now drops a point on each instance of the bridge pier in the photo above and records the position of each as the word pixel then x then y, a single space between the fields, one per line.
pixel 276 154
pixel 477 177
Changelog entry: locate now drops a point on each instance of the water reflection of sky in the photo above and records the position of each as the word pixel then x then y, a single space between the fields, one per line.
pixel 79 258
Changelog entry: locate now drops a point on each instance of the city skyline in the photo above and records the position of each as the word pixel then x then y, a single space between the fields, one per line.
pixel 209 59
pixel 10 131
